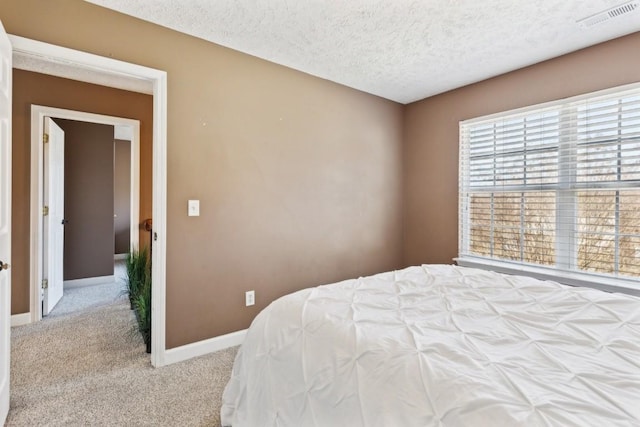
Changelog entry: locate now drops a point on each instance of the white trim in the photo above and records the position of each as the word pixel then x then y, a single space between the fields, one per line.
pixel 571 278
pixel 38 113
pixel 20 319
pixel 158 78
pixel 159 215
pixel 45 53
pixel 200 348
pixel 88 281
pixel 119 257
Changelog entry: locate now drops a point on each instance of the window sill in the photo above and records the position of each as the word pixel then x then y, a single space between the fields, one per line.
pixel 631 287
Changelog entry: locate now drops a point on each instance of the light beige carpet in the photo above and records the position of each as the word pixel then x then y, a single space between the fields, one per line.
pixel 81 298
pixel 89 368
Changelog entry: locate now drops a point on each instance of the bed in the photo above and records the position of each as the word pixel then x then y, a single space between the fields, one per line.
pixel 439 345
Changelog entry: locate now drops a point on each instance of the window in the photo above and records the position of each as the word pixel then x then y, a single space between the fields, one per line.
pixel 555 185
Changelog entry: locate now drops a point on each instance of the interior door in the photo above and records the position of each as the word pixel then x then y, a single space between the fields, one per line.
pixel 53 226
pixel 5 221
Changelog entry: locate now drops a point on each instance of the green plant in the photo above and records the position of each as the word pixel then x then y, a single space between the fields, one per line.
pixel 137 266
pixel 142 305
pixel 139 290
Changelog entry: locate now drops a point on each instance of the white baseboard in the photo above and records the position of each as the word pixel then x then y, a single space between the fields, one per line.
pixel 200 348
pixel 118 257
pixel 20 319
pixel 88 281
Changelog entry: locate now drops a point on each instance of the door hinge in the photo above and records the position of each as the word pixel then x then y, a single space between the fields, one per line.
pixel 45 284
pixel 45 211
pixel 45 137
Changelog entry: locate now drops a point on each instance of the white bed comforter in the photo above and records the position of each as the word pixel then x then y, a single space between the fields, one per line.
pixel 440 345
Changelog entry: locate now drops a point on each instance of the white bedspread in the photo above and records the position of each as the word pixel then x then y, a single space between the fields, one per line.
pixel 440 345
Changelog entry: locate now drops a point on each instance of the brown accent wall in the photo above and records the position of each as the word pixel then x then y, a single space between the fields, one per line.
pixel 299 179
pixel 122 195
pixel 33 88
pixel 88 199
pixel 431 134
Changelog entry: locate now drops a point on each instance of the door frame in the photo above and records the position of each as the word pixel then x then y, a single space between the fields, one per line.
pixel 88 63
pixel 6 86
pixel 38 113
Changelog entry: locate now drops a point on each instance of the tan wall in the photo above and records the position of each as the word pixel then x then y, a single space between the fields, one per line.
pixel 33 88
pixel 299 178
pixel 431 134
pixel 88 199
pixel 122 195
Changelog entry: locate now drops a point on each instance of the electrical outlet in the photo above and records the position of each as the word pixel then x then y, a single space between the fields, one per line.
pixel 249 298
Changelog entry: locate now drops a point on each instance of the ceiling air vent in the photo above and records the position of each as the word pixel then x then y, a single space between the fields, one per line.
pixel 605 15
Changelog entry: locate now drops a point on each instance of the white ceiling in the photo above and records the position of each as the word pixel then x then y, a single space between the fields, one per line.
pixel 403 50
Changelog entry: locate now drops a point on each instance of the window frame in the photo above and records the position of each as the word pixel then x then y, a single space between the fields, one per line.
pixel 564 270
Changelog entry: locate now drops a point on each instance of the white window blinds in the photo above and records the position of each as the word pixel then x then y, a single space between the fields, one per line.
pixel 556 185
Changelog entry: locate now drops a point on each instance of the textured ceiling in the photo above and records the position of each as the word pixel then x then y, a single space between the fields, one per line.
pixel 403 50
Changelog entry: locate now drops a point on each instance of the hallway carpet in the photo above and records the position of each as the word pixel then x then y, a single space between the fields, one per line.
pixel 85 297
pixel 89 367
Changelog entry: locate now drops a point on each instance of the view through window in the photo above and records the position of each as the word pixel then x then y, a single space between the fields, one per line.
pixel 556 185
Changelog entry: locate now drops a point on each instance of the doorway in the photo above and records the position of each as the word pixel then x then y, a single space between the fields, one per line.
pixel 48 258
pixel 90 65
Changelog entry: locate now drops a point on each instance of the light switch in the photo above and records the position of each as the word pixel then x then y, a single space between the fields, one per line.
pixel 194 207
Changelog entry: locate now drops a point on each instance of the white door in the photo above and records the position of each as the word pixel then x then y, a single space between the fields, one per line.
pixel 53 226
pixel 5 221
